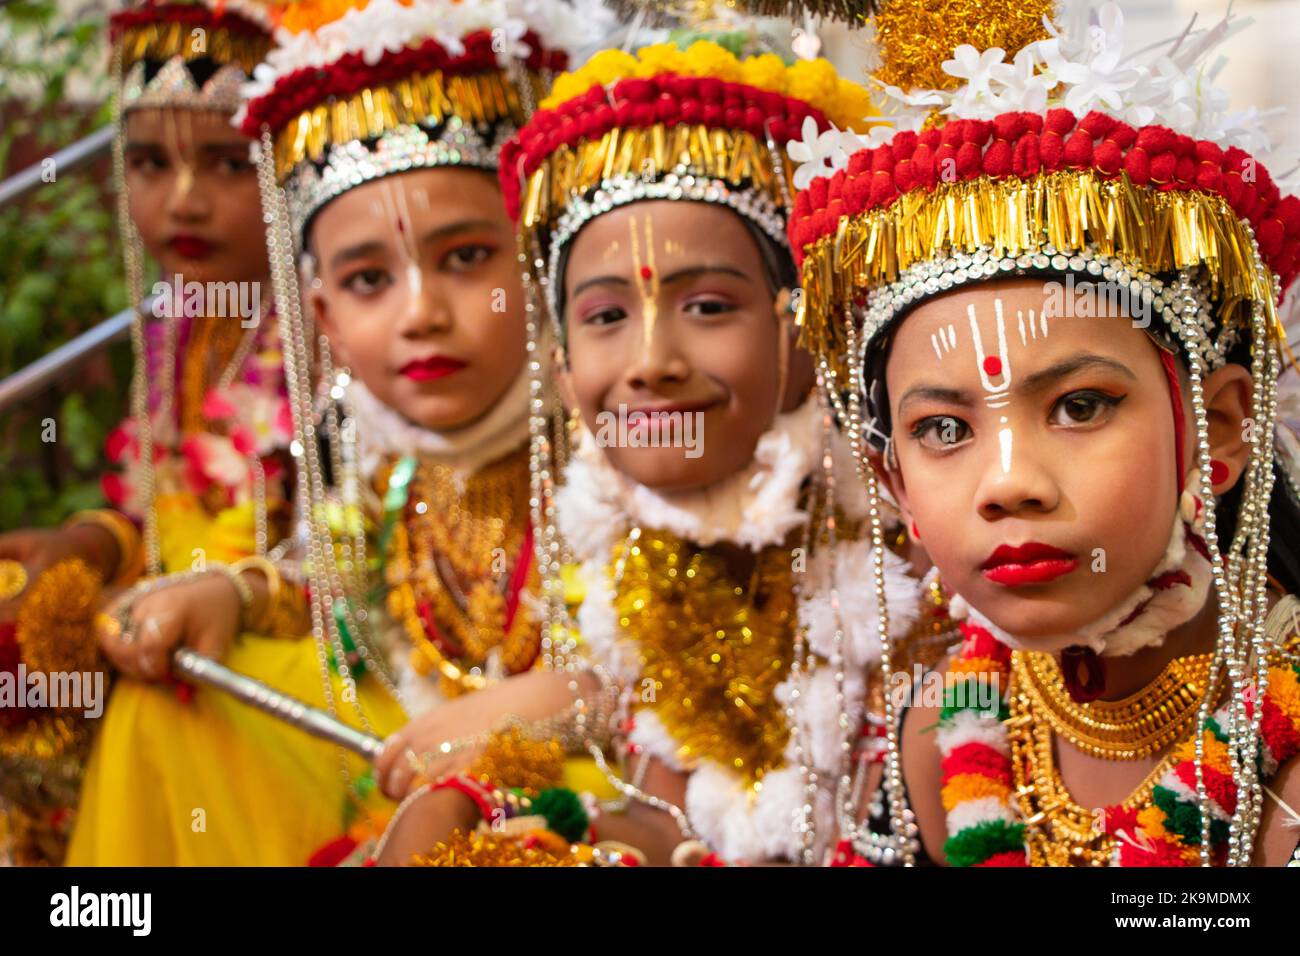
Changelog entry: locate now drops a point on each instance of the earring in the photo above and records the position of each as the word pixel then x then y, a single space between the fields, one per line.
pixel 1218 472
pixel 916 534
pixel 784 304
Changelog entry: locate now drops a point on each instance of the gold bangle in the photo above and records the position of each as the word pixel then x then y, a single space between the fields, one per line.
pixel 130 562
pixel 269 571
pixel 285 612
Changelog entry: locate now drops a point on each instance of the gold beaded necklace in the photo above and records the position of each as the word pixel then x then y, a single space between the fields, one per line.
pixel 451 565
pixel 1133 728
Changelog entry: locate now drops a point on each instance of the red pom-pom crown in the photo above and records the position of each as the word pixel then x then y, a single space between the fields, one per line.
pixel 309 87
pixel 1023 145
pixel 641 102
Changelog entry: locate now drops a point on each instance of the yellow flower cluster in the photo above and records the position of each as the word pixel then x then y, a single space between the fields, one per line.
pixel 846 104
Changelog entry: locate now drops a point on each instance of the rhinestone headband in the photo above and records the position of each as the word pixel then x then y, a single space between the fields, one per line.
pixel 754 204
pixel 410 146
pixel 1183 306
pixel 173 87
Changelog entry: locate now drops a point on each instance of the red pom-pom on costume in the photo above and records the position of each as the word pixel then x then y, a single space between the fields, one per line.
pixel 1006 858
pixel 333 853
pixel 1026 161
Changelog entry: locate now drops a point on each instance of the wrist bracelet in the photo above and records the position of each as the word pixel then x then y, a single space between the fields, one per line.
pixel 130 560
pixel 269 571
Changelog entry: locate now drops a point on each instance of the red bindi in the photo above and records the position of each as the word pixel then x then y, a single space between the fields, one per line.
pixel 646 273
pixel 993 365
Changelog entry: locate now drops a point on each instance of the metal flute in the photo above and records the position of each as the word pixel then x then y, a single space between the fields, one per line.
pixel 292 711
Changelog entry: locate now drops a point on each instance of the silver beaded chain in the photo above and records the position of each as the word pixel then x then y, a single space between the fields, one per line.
pixel 330 595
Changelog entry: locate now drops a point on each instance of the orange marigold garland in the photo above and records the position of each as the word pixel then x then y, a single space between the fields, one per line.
pixel 42 749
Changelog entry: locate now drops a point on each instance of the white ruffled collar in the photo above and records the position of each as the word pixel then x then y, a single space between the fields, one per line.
pixel 754 508
pixel 382 431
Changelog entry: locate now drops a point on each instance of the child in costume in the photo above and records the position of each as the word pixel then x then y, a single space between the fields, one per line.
pixel 381 171
pixel 1050 295
pixel 160 788
pixel 652 194
pixel 204 451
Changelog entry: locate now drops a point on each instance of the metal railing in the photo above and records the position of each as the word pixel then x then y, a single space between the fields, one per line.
pixel 81 153
pixel 61 361
pixel 68 356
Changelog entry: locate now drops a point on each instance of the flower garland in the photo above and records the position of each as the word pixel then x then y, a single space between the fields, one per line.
pixel 814 82
pixel 343 38
pixel 985 826
pixel 247 422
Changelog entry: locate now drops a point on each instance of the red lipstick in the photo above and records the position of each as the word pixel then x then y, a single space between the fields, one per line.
pixel 191 247
pixel 1031 563
pixel 431 368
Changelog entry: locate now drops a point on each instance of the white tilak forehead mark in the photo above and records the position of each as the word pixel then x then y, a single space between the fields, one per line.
pixel 945 337
pixel 1004 443
pixel 999 391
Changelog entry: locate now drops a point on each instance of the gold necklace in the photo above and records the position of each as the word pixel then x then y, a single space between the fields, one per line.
pixel 1134 728
pixel 713 646
pixel 451 562
pixel 1058 831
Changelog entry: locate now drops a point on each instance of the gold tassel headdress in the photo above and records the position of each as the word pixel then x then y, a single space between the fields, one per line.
pixel 362 89
pixel 670 122
pixel 194 55
pixel 1047 153
pixel 355 91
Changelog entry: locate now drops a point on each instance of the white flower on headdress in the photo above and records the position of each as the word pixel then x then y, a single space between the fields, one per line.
pixel 976 68
pixel 388 26
pixel 1091 66
pixel 383 26
pixel 993 85
pixel 907 111
pixel 1021 84
pixel 820 154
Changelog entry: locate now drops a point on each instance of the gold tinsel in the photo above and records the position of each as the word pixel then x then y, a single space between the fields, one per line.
pixel 1070 209
pixel 41 759
pixel 730 155
pixel 510 759
pixel 714 644
pixel 162 41
pixel 480 848
pixel 916 36
pixel 430 97
pixel 54 631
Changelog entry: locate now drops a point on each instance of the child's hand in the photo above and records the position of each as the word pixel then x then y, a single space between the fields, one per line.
pixel 412 756
pixel 427 820
pixel 203 613
pixel 37 549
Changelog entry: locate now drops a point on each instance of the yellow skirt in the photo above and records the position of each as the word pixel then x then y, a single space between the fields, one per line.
pixel 213 782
